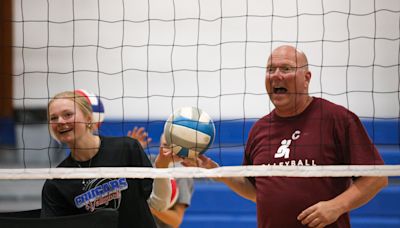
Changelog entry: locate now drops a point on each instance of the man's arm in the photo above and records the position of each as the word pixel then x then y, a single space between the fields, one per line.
pixel 359 193
pixel 241 185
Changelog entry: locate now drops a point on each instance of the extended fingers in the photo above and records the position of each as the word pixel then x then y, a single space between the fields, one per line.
pixel 314 217
pixel 189 162
pixel 141 133
pixel 134 131
pixel 149 140
pixel 200 161
pixel 137 133
pixel 312 220
pixel 207 162
pixel 316 222
pixel 204 158
pixel 307 216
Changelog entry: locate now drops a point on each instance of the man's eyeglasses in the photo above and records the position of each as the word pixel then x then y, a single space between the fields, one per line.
pixel 282 69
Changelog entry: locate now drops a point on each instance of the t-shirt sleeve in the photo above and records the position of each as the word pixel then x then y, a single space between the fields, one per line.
pixel 186 190
pixel 356 144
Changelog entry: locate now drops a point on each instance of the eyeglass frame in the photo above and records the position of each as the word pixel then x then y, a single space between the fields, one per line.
pixel 289 70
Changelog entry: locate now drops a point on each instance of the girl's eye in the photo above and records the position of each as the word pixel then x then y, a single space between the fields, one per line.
pixel 68 115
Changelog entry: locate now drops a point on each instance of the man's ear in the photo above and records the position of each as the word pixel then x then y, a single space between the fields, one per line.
pixel 308 78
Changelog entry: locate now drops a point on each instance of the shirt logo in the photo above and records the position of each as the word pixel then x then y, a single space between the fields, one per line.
pixel 101 192
pixel 284 150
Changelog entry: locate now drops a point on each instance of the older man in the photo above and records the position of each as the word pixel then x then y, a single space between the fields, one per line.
pixel 304 130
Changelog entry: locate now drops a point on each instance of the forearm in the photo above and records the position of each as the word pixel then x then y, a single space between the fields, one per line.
pixel 173 217
pixel 242 186
pixel 161 194
pixel 360 192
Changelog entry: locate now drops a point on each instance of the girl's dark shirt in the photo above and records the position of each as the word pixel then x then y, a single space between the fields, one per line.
pixel 62 197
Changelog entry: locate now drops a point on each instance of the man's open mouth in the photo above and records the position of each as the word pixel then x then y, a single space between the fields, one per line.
pixel 280 90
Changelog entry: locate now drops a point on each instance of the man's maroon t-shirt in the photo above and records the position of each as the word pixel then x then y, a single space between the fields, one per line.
pixel 323 134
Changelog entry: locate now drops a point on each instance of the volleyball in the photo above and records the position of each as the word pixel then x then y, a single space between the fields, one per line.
pixel 189 131
pixel 97 105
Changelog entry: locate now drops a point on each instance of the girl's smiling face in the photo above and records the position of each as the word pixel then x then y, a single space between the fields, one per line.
pixel 67 121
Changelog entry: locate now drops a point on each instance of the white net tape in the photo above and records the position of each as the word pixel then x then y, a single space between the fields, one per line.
pixel 194 172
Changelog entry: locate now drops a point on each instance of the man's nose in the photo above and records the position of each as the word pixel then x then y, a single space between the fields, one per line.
pixel 277 75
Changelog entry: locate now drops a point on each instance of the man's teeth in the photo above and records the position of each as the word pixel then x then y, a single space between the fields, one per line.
pixel 280 90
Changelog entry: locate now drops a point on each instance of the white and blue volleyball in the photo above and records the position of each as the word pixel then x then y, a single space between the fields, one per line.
pixel 189 131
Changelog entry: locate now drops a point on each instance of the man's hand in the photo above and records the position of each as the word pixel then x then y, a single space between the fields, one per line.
pixel 320 214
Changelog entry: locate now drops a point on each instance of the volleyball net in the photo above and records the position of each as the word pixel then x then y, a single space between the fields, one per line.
pixel 147 58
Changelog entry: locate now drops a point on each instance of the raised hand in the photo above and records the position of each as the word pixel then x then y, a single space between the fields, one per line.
pixel 141 135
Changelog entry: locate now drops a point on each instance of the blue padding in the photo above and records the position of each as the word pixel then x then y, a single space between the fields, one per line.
pixel 385 132
pixel 121 127
pixel 227 131
pixel 385 203
pixel 214 197
pixel 227 155
pixel 7 131
pixel 231 136
pixel 390 154
pixel 215 205
pixel 375 222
